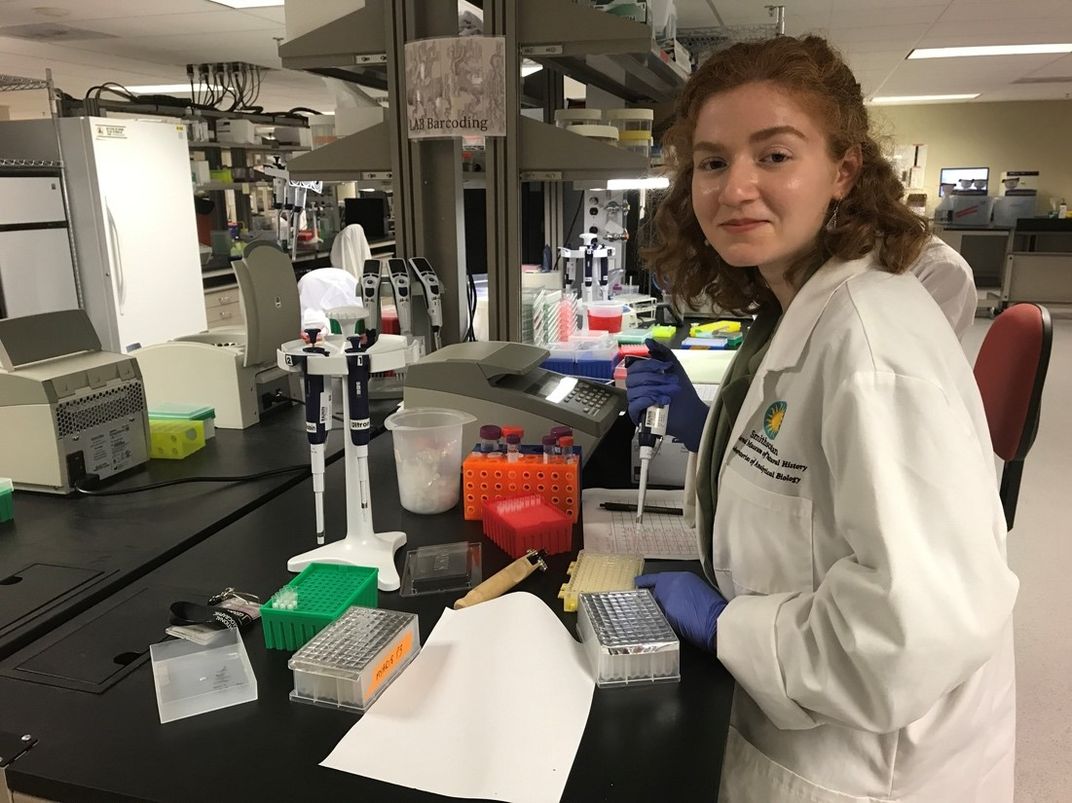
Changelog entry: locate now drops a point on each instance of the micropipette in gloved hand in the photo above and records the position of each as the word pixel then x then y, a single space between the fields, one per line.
pixel 317 424
pixel 650 434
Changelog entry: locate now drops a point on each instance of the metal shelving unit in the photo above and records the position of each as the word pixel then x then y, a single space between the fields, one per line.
pixel 366 47
pixel 230 146
pixel 14 83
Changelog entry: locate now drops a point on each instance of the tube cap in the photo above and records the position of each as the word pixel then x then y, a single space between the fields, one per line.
pixel 559 431
pixel 508 431
pixel 549 440
pixel 513 439
pixel 491 432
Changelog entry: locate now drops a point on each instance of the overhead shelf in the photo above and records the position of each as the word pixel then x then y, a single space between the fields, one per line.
pixel 548 153
pixel 231 146
pixel 365 155
pixel 212 186
pixel 615 54
pixel 356 39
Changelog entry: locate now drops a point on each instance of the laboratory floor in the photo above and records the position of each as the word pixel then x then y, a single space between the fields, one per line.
pixel 1040 552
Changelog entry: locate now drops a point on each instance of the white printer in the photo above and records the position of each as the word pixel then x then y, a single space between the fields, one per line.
pixel 67 409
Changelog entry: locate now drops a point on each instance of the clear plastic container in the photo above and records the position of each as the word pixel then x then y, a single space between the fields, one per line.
pixel 564 118
pixel 635 141
pixel 349 663
pixel 428 457
pixel 630 119
pixel 194 679
pixel 605 315
pixel 602 133
pixel 627 638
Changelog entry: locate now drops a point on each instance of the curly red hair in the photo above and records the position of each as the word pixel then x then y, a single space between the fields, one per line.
pixel 871 215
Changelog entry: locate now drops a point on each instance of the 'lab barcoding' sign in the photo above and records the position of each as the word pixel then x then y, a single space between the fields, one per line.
pixel 456 87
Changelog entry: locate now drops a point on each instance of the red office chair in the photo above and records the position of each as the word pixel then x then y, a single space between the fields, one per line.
pixel 1010 371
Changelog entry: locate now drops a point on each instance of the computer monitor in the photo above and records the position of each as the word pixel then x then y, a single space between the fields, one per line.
pixel 954 175
pixel 371 213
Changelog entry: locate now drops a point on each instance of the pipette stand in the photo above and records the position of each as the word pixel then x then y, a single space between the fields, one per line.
pixel 362 546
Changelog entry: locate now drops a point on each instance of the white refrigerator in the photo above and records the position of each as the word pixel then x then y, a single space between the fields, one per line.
pixel 132 212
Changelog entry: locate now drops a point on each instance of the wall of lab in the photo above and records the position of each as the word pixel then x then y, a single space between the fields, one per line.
pixel 1026 135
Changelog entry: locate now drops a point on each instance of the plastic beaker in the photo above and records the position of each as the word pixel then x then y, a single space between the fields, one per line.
pixel 605 315
pixel 428 457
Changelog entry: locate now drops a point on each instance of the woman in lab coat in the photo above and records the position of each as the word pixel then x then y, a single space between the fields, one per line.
pixel 847 504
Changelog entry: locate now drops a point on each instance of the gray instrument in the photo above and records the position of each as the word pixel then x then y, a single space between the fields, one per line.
pixel 502 383
pixel 426 275
pixel 370 292
pixel 67 409
pixel 399 275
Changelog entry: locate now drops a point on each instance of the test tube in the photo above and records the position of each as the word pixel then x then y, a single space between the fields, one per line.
pixel 507 431
pixel 513 448
pixel 566 442
pixel 549 442
pixel 489 438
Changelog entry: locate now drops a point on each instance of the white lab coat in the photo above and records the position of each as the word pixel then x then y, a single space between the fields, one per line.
pixel 861 543
pixel 948 278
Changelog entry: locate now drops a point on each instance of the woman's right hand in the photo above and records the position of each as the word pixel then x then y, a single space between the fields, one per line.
pixel 662 380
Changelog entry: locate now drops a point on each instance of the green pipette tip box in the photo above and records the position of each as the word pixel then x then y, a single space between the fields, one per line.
pixel 7 500
pixel 324 592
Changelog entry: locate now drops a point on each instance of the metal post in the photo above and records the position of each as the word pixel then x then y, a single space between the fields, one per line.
pixel 429 219
pixel 504 188
pixel 54 113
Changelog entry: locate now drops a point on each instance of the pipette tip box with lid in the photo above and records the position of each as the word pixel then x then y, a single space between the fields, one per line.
pixel 349 663
pixel 627 638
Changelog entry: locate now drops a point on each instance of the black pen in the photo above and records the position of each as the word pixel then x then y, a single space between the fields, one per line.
pixel 626 507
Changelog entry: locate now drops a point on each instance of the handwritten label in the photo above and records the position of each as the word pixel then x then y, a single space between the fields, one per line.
pixel 390 663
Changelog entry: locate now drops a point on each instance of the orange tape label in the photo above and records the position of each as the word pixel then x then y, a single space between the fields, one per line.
pixel 391 662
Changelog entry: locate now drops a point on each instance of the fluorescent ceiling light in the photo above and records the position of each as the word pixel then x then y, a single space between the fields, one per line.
pixel 988 50
pixel 890 100
pixel 655 183
pixel 247 3
pixel 528 67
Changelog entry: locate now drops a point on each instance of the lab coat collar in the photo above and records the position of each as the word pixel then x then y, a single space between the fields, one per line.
pixel 799 320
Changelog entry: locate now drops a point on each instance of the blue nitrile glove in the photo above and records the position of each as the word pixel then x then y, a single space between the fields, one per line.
pixel 691 606
pixel 662 380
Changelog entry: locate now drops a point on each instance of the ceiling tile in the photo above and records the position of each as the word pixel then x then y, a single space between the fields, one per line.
pixel 182 25
pixel 969 10
pixel 18 12
pixel 877 33
pixel 888 16
pixel 1032 29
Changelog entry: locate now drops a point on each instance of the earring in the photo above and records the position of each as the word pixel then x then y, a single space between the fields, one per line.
pixel 832 223
pixel 707 243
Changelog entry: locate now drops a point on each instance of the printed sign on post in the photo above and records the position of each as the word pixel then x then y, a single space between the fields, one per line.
pixel 456 87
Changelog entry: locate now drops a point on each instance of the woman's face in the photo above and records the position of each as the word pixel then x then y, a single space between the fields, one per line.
pixel 762 176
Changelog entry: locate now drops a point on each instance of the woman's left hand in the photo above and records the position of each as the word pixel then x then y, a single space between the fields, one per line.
pixel 691 605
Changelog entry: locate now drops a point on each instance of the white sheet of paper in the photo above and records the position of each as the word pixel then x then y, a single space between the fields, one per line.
pixel 493 707
pixel 659 536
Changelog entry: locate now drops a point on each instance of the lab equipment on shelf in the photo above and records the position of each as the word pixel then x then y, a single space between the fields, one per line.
pixel 67 408
pixel 627 639
pixel 428 456
pixel 351 662
pixel 313 600
pixel 352 359
pixel 517 524
pixel 598 571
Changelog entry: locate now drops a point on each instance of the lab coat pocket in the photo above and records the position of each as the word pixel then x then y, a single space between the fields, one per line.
pixel 762 539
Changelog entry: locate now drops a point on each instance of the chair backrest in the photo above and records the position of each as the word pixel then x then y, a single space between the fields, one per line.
pixel 1011 372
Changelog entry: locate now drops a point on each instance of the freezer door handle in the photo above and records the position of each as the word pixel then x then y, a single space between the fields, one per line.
pixel 120 278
